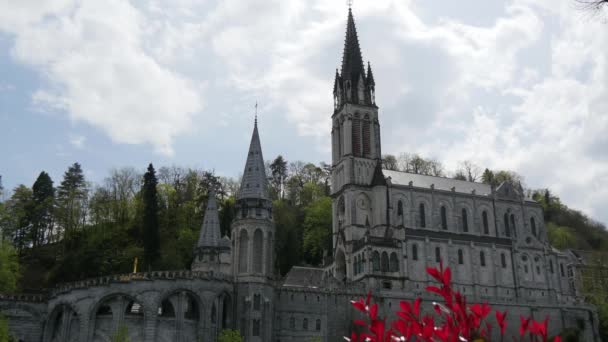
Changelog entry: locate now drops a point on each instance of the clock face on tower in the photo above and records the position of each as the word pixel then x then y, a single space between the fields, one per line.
pixel 362 203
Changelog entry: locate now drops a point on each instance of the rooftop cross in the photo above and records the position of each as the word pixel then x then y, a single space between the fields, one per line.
pixel 349 3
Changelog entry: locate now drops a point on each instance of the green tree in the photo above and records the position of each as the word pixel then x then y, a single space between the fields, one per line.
pixel 487 177
pixel 560 237
pixel 9 268
pixel 121 334
pixel 150 229
pixel 71 199
pixel 5 335
pixel 317 230
pixel 278 174
pixel 43 195
pixel 18 219
pixel 228 335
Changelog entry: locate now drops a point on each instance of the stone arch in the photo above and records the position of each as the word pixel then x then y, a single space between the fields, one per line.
pixel 384 262
pixel 466 220
pixel 423 212
pixel 340 265
pixel 258 251
pixel 186 322
pixel 63 324
pixel 489 219
pixel 394 262
pixel 112 311
pixel 446 215
pixel 400 211
pixel 375 261
pixel 243 251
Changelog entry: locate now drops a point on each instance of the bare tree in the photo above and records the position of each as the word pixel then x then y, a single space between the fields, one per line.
pixel 469 170
pixel 389 162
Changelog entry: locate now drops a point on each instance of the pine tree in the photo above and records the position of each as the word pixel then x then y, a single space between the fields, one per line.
pixel 71 199
pixel 151 235
pixel 278 170
pixel 43 195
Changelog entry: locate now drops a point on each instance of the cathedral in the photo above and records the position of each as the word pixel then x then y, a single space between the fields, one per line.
pixel 388 226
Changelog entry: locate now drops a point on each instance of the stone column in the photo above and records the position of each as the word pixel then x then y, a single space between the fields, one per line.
pixel 150 323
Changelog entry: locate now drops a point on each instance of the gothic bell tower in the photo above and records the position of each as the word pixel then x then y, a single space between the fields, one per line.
pixel 359 205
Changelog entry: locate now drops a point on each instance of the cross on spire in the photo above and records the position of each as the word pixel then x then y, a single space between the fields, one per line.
pixel 349 3
pixel 256 113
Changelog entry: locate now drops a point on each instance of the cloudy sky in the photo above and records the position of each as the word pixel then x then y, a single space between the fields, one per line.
pixel 517 84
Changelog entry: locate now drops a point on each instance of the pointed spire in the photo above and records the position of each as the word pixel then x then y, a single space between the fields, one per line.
pixel 254 183
pixel 336 81
pixel 210 231
pixel 352 62
pixel 370 75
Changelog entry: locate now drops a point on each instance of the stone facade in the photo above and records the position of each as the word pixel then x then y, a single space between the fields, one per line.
pixel 388 226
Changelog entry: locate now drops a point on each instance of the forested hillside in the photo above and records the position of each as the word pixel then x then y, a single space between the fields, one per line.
pixel 75 229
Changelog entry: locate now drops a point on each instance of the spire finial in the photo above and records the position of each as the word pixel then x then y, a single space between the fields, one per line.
pixel 256 113
pixel 349 3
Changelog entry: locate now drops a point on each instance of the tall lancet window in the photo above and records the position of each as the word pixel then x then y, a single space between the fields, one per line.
pixel 356 136
pixel 243 251
pixel 366 136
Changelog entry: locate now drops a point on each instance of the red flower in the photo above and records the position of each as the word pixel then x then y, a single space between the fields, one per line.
pixel 500 318
pixel 524 325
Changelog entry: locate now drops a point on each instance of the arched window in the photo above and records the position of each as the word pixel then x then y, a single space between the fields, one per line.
pixel 484 218
pixel 460 257
pixel 507 230
pixel 243 251
pixel 533 226
pixel 394 263
pixel 356 136
pixel 513 225
pixel 256 302
pixel 366 137
pixel 256 327
pixel 422 216
pixel 465 221
pixel 318 325
pixel 376 261
pixel 482 258
pixel 437 254
pixel 444 218
pixel 503 260
pixel 561 270
pixel 258 251
pixel 414 252
pixel 400 212
pixel 384 262
pixel 305 324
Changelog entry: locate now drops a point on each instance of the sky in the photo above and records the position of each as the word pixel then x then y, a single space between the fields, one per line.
pixel 518 85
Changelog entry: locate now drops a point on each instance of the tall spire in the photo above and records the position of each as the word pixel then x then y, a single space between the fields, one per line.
pixel 352 62
pixel 254 183
pixel 210 231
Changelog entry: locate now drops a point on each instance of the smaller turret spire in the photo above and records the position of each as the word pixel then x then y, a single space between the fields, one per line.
pixel 254 183
pixel 370 75
pixel 210 231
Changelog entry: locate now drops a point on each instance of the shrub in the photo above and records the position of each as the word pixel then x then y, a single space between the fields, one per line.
pixel 454 319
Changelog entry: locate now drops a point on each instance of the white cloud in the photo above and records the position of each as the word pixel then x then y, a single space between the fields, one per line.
pixel 77 141
pixel 94 58
pixel 524 91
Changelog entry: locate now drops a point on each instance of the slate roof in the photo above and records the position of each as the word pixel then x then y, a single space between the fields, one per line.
pixel 352 62
pixel 440 183
pixel 210 231
pixel 254 183
pixel 300 276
